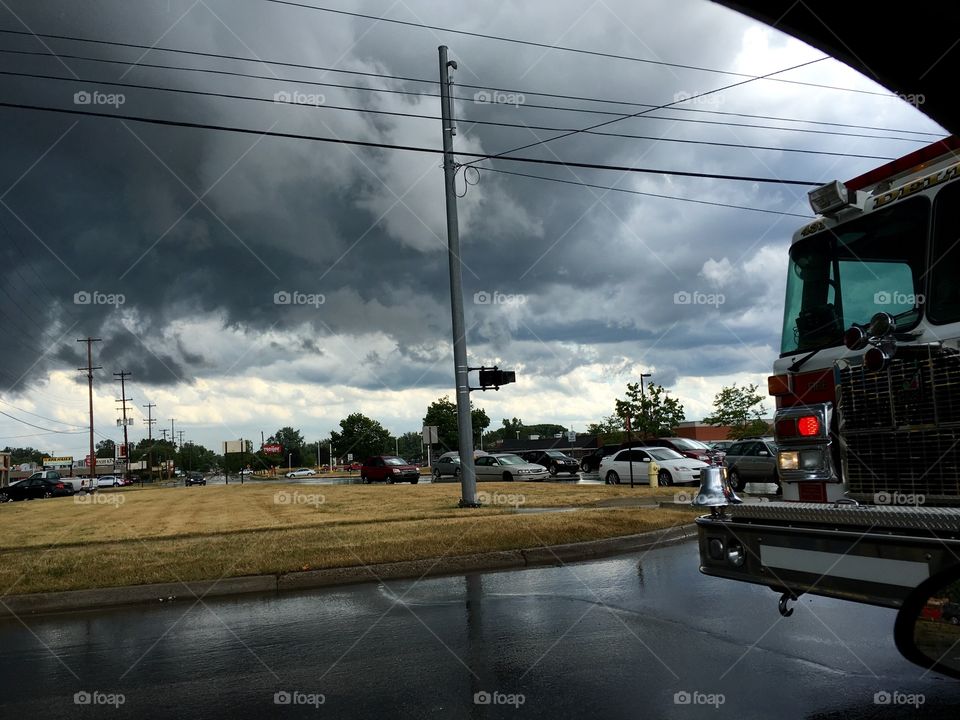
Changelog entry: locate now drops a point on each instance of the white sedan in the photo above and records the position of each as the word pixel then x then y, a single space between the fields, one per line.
pixel 108 481
pixel 302 472
pixel 675 469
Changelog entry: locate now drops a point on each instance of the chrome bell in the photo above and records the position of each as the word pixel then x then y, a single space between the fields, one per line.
pixel 715 490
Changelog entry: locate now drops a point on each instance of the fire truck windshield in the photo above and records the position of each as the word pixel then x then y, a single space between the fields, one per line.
pixel 848 273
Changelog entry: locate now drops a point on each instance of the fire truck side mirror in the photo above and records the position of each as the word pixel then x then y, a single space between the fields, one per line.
pixel 927 630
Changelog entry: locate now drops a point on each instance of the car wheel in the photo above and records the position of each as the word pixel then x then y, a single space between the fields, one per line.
pixel 665 478
pixel 736 481
pixel 456 473
pixel 436 476
pixel 507 477
pixel 4 497
pixel 554 470
pixel 954 620
pixel 613 478
pixel 364 479
pixel 414 481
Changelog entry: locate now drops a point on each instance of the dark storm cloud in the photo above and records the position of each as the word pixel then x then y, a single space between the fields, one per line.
pixel 113 208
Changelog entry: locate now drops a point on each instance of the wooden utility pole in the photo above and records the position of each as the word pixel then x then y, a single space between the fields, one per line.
pixel 122 376
pixel 150 421
pixel 89 370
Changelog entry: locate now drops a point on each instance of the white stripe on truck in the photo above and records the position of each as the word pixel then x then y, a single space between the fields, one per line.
pixel 904 573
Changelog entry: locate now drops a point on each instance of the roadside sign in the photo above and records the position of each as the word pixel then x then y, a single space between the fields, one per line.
pixel 572 436
pixel 430 434
pixel 272 448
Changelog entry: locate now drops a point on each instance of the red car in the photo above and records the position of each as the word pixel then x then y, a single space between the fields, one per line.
pixel 389 468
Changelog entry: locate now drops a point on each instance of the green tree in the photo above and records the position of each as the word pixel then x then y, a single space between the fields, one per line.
pixel 106 449
pixel 651 413
pixel 608 430
pixel 443 413
pixel 18 455
pixel 409 444
pixel 740 408
pixel 361 436
pixel 292 443
pixel 192 456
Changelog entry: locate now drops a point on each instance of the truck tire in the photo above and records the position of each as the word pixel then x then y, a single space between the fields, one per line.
pixel 736 482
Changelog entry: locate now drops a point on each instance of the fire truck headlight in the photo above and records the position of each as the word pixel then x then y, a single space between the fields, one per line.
pixel 735 554
pixel 789 460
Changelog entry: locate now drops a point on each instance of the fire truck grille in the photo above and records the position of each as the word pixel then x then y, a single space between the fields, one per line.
pixel 900 428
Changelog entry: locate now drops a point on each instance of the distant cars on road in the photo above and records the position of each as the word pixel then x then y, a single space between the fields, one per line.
pixel 447 465
pixel 553 460
pixel 302 472
pixel 108 481
pixel 508 467
pixel 390 469
pixel 35 488
pixel 194 478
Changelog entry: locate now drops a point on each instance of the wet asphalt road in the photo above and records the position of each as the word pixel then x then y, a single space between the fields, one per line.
pixel 617 638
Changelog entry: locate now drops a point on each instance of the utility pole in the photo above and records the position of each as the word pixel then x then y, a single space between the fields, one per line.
pixel 180 433
pixel 123 375
pixel 468 480
pixel 173 434
pixel 164 432
pixel 150 421
pixel 90 368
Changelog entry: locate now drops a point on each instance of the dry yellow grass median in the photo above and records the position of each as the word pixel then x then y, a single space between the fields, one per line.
pixel 170 534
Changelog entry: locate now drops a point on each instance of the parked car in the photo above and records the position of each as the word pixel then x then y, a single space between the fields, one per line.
pixel 951 613
pixel 508 467
pixel 675 469
pixel 194 478
pixel 446 465
pixel 246 471
pixel 108 481
pixel 553 460
pixel 693 449
pixel 302 472
pixel 752 460
pixel 721 445
pixel 34 488
pixel 389 468
pixel 591 462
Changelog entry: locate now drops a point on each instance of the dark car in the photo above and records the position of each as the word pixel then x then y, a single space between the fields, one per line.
pixel 446 465
pixel 388 468
pixel 194 478
pixel 687 447
pixel 591 462
pixel 951 613
pixel 553 460
pixel 33 488
pixel 752 460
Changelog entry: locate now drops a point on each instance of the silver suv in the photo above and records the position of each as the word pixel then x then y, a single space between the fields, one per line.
pixel 752 460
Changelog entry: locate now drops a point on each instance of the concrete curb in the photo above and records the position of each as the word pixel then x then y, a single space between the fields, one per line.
pixel 42 603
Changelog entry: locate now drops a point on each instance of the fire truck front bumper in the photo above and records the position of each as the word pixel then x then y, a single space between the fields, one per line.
pixel 866 554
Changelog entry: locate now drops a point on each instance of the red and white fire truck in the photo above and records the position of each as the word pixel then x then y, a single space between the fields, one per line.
pixel 868 398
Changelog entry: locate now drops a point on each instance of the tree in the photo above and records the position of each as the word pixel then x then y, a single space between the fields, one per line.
pixel 515 427
pixel 19 456
pixel 409 444
pixel 360 436
pixel 292 443
pixel 740 408
pixel 608 430
pixel 650 413
pixel 195 457
pixel 443 413
pixel 106 449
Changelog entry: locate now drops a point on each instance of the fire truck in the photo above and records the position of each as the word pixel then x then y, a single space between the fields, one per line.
pixel 867 389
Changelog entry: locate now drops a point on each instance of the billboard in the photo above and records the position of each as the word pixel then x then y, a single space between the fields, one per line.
pixel 233 446
pixel 57 461
pixel 272 448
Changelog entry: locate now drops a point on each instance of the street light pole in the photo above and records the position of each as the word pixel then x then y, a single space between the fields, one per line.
pixel 468 480
pixel 643 396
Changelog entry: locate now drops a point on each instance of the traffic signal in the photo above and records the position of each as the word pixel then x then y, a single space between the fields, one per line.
pixel 493 377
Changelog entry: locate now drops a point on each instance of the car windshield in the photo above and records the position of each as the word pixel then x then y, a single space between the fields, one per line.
pixel 556 454
pixel 395 461
pixel 511 460
pixel 665 454
pixel 846 274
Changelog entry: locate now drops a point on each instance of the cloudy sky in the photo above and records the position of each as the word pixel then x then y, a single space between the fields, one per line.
pixel 178 246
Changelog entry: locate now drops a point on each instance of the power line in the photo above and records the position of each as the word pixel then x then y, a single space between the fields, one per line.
pixel 420 116
pixel 642 112
pixel 408 148
pixel 42 417
pixel 403 78
pixel 58 432
pixel 563 48
pixel 648 194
